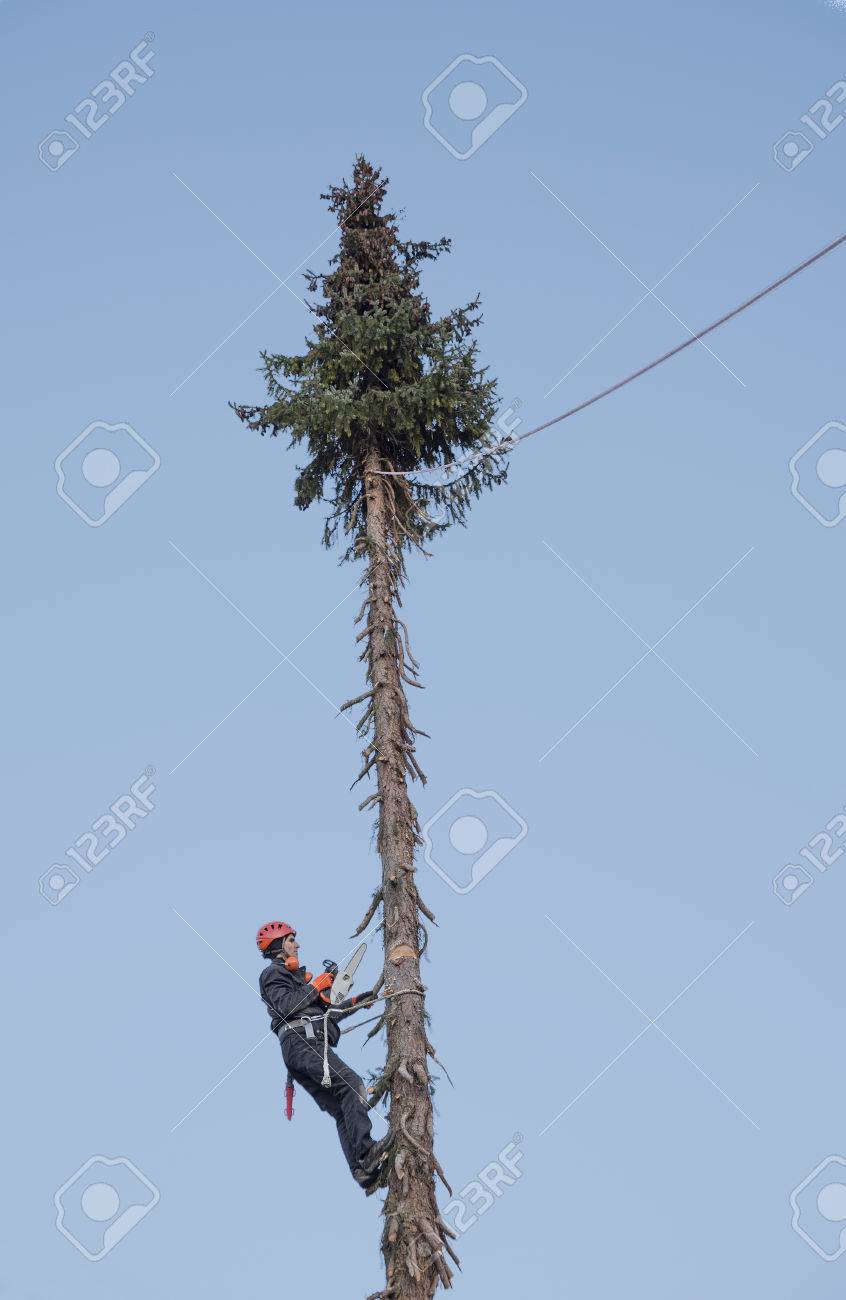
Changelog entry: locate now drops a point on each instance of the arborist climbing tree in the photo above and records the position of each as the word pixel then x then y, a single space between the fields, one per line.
pixel 382 386
pixel 304 1015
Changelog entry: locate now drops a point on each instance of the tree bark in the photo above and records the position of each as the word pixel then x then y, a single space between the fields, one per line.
pixel 413 1239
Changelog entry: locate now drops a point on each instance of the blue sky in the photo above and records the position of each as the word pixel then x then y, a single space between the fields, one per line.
pixel 635 646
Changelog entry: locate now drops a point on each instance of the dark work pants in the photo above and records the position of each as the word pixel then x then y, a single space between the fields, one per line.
pixel 345 1100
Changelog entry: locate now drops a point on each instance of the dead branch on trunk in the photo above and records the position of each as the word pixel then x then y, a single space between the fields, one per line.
pixel 368 916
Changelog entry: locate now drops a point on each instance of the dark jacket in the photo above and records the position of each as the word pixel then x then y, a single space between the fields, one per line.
pixel 288 997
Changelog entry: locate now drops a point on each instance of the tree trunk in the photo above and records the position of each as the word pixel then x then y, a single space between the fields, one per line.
pixel 414 1238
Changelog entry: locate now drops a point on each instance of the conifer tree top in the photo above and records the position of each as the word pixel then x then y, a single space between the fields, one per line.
pixel 380 375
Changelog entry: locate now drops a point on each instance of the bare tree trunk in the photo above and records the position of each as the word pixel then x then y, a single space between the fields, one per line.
pixel 414 1236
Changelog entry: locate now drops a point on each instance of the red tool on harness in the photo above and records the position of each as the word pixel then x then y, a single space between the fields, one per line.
pixel 289 1098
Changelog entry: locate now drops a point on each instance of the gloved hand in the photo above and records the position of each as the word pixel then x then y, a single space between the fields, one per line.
pixel 323 983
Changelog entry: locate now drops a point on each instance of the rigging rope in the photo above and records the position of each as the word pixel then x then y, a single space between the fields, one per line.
pixel 510 442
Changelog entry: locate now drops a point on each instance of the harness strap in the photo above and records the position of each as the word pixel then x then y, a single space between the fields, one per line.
pixel 326 1081
pixel 306 1023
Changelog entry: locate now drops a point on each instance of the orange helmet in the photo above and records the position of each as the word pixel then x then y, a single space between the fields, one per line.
pixel 271 931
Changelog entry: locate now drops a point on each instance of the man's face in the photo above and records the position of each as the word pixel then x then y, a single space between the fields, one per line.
pixel 290 947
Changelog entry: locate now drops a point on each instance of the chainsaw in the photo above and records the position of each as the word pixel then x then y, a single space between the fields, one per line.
pixel 343 981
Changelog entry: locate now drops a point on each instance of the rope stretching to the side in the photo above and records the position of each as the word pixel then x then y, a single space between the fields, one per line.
pixel 510 442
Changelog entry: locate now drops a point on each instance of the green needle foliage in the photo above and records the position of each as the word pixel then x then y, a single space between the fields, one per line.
pixel 380 374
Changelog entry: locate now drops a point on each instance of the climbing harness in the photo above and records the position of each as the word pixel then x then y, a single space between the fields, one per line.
pixel 341 986
pixel 306 1022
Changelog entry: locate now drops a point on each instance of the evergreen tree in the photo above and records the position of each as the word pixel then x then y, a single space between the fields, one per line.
pixel 382 392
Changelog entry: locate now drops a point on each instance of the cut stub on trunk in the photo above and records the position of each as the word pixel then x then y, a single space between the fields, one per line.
pixel 401 950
